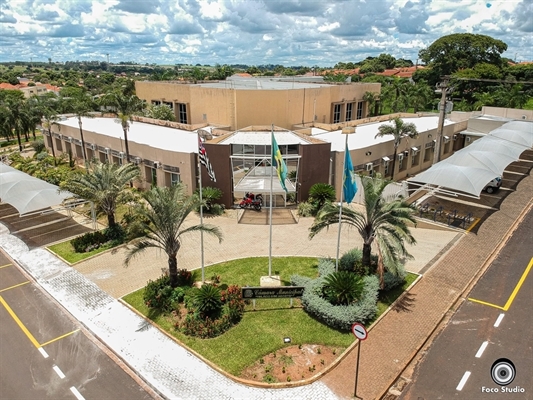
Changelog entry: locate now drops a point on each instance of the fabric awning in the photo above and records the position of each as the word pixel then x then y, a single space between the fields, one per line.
pixel 27 193
pixel 470 169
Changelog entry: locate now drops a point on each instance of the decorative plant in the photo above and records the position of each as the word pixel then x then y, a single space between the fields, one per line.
pixel 342 287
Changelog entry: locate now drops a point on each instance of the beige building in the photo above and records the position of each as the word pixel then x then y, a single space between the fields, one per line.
pixel 240 102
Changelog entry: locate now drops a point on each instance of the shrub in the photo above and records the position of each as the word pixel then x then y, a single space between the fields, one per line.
pixel 161 296
pixel 342 287
pixel 38 145
pixel 89 241
pixel 392 280
pixel 196 324
pixel 305 209
pixel 115 233
pixel 340 316
pixel 320 194
pixel 208 301
pixel 185 277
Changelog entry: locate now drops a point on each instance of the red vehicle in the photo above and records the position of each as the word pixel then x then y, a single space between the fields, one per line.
pixel 252 200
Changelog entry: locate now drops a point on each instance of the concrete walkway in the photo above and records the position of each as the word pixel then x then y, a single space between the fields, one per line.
pixel 178 374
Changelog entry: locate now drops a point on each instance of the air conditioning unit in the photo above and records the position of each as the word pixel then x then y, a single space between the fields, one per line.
pixel 446 139
pixel 137 160
pixel 92 146
pixel 369 166
pixel 414 151
pixel 400 156
pixel 406 153
pixel 122 155
pixel 68 140
pixel 157 164
pixel 468 139
pixel 107 150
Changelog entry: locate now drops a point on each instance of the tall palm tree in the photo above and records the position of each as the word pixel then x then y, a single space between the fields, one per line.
pixel 399 130
pixel 81 104
pixel 124 108
pixel 371 99
pixel 105 185
pixel 420 95
pixel 168 207
pixel 17 118
pixel 385 222
pixel 43 107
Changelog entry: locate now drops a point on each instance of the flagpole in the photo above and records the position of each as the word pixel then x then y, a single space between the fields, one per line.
pixel 340 206
pixel 270 205
pixel 201 213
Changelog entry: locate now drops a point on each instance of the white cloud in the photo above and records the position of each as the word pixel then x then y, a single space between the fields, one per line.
pixel 300 32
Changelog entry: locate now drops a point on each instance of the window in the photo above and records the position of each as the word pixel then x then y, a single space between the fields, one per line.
pixel 415 158
pixel 349 111
pixel 427 153
pixel 169 104
pixel 174 179
pixel 154 177
pixel 182 113
pixel 337 110
pixel 156 103
pixel 359 110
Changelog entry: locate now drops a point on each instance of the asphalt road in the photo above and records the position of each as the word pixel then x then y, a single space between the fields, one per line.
pixel 494 323
pixel 44 354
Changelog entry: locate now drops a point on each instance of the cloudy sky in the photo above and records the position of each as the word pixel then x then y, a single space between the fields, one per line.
pixel 254 32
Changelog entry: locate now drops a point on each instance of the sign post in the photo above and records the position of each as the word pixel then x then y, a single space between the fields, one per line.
pixel 360 333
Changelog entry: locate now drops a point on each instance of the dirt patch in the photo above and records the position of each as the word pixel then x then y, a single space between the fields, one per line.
pixel 292 363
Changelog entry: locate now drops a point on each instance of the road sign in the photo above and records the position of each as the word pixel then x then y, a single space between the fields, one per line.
pixel 359 331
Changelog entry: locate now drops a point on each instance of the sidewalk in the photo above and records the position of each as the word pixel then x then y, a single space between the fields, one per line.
pixel 178 374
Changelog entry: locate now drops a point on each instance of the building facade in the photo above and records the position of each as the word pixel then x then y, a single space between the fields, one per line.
pixel 241 102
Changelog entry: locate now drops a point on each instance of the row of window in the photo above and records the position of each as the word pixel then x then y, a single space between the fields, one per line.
pixel 345 111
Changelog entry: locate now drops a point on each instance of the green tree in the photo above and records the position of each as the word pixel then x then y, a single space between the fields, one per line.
pixel 399 130
pixel 78 102
pixel 162 112
pixel 371 99
pixel 386 222
pixel 124 107
pixel 420 95
pixel 16 117
pixel 457 51
pixel 105 185
pixel 163 219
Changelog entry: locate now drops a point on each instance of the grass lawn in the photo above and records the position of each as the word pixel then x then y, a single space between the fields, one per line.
pixel 67 253
pixel 261 331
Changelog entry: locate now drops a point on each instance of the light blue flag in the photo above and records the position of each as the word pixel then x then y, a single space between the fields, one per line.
pixel 349 186
pixel 277 161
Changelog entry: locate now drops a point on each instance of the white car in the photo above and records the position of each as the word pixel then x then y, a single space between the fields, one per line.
pixel 493 185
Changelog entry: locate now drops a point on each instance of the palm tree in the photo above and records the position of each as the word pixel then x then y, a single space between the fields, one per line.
pixel 385 222
pixel 105 185
pixel 399 130
pixel 81 104
pixel 168 207
pixel 42 106
pixel 421 94
pixel 124 107
pixel 16 117
pixel 371 99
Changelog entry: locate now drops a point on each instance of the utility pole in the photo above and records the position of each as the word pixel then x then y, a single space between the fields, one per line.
pixel 443 87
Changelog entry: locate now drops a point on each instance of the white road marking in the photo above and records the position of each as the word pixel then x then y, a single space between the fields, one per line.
pixel 482 349
pixel 59 372
pixel 463 381
pixel 43 352
pixel 497 323
pixel 76 393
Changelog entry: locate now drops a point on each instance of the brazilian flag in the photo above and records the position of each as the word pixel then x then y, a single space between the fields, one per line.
pixel 277 161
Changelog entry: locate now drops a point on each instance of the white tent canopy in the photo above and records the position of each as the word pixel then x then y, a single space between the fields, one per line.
pixel 26 193
pixel 471 168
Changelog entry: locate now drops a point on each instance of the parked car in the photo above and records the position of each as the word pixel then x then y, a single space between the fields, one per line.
pixel 493 185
